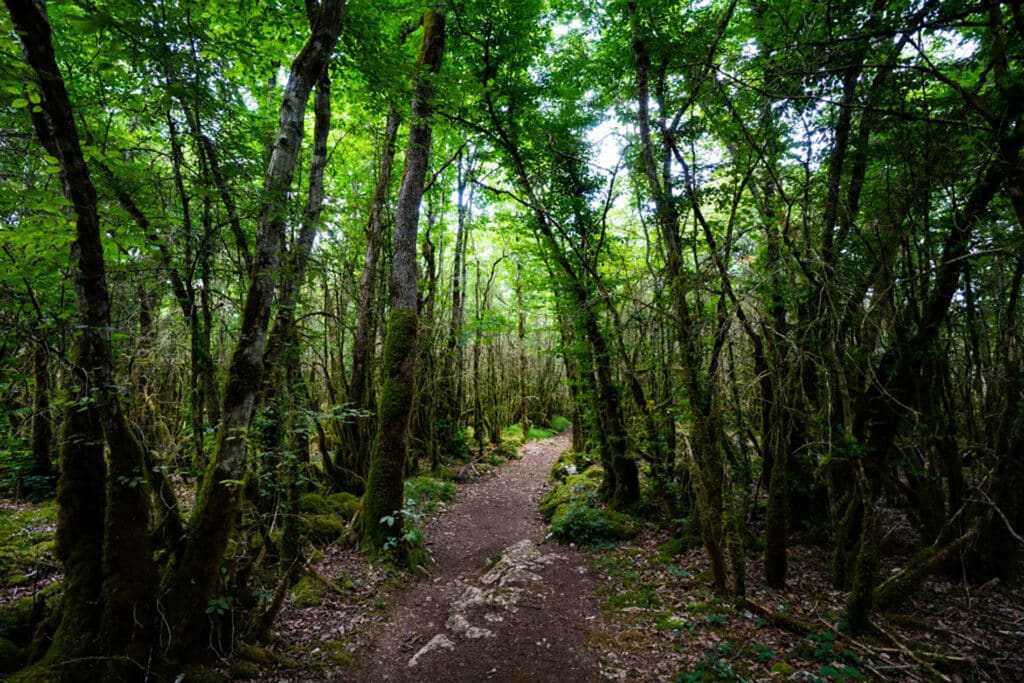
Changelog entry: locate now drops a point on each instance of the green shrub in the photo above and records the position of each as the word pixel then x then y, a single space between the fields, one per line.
pixel 18 475
pixel 560 424
pixel 578 522
pixel 513 432
pixel 540 433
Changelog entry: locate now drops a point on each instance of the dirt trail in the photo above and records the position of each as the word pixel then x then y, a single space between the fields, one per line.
pixel 524 617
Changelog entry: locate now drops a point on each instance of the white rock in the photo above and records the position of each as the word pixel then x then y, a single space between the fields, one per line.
pixel 458 624
pixel 474 632
pixel 438 642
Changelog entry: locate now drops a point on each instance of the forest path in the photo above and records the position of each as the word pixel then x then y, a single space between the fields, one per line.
pixel 524 617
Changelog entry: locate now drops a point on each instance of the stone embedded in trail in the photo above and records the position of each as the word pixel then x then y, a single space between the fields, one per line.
pixel 438 642
pixel 458 625
pixel 471 597
pixel 504 584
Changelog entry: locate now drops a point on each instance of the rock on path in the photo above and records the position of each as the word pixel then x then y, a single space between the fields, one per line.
pixel 501 603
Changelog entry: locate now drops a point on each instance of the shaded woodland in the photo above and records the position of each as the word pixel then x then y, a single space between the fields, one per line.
pixel 264 261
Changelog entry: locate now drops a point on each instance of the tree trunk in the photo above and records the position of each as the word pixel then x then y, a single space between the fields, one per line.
pixel 194 579
pixel 122 605
pixel 42 426
pixel 398 371
pixel 359 427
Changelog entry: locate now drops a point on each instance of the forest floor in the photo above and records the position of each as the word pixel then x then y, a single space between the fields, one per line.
pixel 500 601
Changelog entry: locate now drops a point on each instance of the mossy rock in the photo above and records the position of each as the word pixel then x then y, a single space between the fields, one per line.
pixel 324 528
pixel 575 486
pixel 572 462
pixel 12 657
pixel 308 592
pixel 341 504
pixel 344 503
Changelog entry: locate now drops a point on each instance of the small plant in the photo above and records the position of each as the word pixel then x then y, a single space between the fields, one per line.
pixel 428 492
pixel 407 546
pixel 219 606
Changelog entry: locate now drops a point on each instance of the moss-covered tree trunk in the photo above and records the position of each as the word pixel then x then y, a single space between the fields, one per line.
pixel 359 429
pixel 524 407
pixel 383 496
pixel 193 580
pixel 707 459
pixel 103 533
pixel 42 426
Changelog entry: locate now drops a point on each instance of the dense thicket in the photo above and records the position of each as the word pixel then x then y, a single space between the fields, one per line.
pixel 767 255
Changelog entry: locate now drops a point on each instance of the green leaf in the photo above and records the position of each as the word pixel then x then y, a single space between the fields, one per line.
pixel 19 103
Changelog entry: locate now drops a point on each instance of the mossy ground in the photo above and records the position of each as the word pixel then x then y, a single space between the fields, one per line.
pixel 26 542
pixel 308 592
pixel 427 493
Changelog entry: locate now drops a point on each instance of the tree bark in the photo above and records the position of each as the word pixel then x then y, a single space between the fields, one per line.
pixel 122 560
pixel 359 428
pixel 194 579
pixel 398 371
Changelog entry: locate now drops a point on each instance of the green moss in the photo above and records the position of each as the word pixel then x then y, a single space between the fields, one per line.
pixel 339 504
pixel 313 503
pixel 325 528
pixel 244 670
pixel 28 540
pixel 308 592
pixel 261 655
pixel 37 673
pixel 16 619
pixel 688 539
pixel 12 657
pixel 202 674
pixel 783 669
pixel 345 503
pixel 575 486
pixel 338 651
pixel 573 462
pixel 255 653
pixel 645 596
